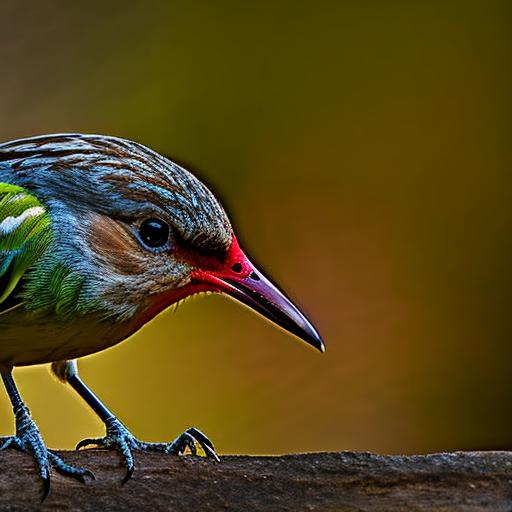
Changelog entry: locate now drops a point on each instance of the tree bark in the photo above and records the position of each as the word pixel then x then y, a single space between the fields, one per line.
pixel 346 481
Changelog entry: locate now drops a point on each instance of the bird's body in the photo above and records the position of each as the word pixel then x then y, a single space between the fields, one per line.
pixel 97 236
pixel 90 282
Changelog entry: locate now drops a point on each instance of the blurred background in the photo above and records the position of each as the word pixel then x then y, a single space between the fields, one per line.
pixel 363 152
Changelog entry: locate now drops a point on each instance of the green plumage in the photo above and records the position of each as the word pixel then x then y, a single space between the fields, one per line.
pixel 25 233
pixel 56 291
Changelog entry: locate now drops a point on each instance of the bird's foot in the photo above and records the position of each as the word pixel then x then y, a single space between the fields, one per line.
pixel 120 438
pixel 29 440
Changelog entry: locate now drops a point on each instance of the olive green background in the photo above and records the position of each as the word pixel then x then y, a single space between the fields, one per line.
pixel 362 149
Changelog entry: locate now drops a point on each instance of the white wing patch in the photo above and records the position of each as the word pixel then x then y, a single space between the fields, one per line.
pixel 10 224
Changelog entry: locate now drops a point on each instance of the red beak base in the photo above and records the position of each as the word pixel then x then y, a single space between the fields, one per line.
pixel 240 279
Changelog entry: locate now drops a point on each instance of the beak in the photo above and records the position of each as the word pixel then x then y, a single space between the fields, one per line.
pixel 254 290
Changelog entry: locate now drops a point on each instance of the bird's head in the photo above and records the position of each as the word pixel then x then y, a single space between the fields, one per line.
pixel 134 233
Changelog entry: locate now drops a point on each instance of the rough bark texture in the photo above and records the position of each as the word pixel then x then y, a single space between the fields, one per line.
pixel 344 481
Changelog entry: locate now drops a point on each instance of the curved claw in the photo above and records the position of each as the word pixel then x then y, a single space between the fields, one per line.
pixel 95 442
pixel 129 474
pixel 46 487
pixel 188 439
pixel 210 453
pixel 200 437
pixel 126 451
pixel 205 443
pixel 88 473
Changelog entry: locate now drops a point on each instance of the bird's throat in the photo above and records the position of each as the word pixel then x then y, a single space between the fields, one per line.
pixel 162 301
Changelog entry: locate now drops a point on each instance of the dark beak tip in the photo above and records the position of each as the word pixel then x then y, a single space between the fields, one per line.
pixel 312 338
pixel 318 343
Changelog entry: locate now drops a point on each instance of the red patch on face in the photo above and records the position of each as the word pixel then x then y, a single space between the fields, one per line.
pixel 206 269
pixel 234 263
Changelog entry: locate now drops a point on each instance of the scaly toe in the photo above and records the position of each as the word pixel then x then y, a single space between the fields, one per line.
pixel 68 470
pixel 29 440
pixel 118 438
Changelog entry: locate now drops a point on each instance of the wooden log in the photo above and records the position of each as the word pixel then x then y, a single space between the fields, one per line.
pixel 326 482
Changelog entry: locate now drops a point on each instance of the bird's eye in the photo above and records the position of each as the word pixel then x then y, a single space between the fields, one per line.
pixel 154 233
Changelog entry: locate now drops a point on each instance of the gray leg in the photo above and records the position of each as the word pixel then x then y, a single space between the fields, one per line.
pixel 29 440
pixel 118 436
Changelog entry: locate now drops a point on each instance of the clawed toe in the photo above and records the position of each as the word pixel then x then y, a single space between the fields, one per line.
pixel 118 437
pixel 68 470
pixel 188 439
pixel 28 439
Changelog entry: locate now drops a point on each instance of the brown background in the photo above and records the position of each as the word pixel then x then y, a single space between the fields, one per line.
pixel 362 150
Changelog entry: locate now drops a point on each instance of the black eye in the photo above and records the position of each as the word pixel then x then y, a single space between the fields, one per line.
pixel 154 233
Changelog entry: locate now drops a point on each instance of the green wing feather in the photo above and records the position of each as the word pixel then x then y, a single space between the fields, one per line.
pixel 25 234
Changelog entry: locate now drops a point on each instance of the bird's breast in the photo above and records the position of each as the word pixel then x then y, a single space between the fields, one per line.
pixel 27 338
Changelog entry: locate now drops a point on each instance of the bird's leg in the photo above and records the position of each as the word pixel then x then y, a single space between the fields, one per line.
pixel 29 440
pixel 118 436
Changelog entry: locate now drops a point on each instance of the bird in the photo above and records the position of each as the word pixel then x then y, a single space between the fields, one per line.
pixel 98 235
